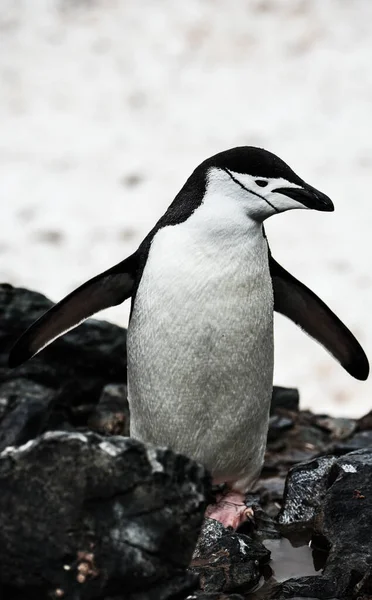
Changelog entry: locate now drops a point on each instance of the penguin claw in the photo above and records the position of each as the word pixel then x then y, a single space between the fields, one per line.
pixel 230 510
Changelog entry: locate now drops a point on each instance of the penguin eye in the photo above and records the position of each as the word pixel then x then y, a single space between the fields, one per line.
pixel 261 182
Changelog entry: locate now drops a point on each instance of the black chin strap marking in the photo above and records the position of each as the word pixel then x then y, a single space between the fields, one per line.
pixel 250 191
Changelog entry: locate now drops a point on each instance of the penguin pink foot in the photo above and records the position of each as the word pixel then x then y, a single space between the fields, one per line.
pixel 230 510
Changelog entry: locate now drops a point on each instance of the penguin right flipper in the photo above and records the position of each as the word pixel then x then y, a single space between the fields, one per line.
pixel 109 288
pixel 294 300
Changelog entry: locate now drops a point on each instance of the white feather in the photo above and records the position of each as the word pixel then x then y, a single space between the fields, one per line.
pixel 200 340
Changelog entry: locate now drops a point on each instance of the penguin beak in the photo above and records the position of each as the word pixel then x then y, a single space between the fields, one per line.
pixel 309 197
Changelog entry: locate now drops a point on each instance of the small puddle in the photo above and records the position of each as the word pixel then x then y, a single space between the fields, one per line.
pixel 289 558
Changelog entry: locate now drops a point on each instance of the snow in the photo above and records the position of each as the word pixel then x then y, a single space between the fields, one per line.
pixel 348 468
pixel 106 107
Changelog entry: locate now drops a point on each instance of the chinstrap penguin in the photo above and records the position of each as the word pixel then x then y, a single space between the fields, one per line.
pixel 204 287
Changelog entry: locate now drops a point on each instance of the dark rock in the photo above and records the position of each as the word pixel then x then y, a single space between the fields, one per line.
pixel 111 415
pixel 282 459
pixel 339 429
pixel 262 526
pixel 305 488
pixel 277 426
pixel 214 596
pixel 265 526
pixel 226 561
pixel 211 532
pixel 308 588
pixel 343 519
pixel 284 398
pixel 90 517
pixel 5 405
pixel 365 439
pixel 270 490
pixel 362 439
pixel 176 588
pixel 27 405
pixel 300 443
pixel 79 364
pixel 365 422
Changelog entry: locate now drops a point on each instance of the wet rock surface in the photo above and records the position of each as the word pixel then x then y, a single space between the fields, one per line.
pixel 78 365
pixel 88 513
pixel 215 596
pixel 306 487
pixel 105 514
pixel 26 406
pixel 226 561
pixel 111 415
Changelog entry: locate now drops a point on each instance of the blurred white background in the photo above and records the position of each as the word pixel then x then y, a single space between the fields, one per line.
pixel 107 106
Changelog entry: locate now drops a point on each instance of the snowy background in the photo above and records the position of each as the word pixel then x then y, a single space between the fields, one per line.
pixel 107 106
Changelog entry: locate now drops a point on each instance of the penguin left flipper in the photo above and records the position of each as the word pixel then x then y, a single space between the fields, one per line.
pixel 294 300
pixel 109 288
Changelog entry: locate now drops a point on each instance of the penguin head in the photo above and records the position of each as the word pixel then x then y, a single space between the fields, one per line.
pixel 261 182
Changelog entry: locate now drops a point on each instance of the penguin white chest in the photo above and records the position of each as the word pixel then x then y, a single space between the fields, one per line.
pixel 200 346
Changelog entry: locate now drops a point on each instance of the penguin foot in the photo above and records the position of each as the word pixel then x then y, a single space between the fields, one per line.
pixel 230 510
